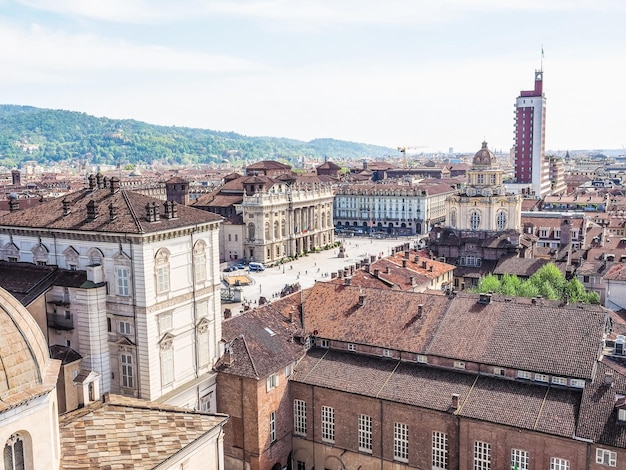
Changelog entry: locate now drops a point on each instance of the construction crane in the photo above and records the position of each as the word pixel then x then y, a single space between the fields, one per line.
pixel 404 149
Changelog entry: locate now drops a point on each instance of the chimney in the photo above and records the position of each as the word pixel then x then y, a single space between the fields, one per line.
pixel 361 300
pixel 115 184
pixel 430 268
pixel 112 212
pixel 412 280
pixel 387 270
pixel 227 313
pixel 376 272
pixel 347 281
pixel 14 204
pixel 404 263
pixel 455 401
pixel 99 180
pixel 420 309
pixel 228 357
pixel 609 379
pixel 416 259
pixel 92 210
pixel 406 254
pixel 16 178
pixel 166 206
pixel 95 273
pixel 92 182
pixel 66 206
pixel 484 299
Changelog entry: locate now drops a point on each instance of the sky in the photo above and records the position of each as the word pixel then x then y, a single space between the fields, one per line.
pixel 427 75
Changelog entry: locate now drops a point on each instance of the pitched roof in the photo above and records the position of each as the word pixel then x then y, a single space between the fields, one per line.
pixel 495 400
pixel 131 213
pixel 525 267
pixel 262 339
pixel 121 432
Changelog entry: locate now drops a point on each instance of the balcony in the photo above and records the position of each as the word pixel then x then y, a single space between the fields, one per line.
pixel 60 321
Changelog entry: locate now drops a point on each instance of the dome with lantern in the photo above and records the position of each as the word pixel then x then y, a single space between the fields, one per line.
pixel 484 157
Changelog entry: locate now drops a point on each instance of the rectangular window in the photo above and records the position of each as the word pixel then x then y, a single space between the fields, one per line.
pixel 203 349
pixel 272 382
pixel 422 358
pixel 128 377
pixel 167 366
pixel 557 463
pixel 459 365
pixel 123 281
pixel 498 371
pixel 205 403
pixel 165 322
pixel 519 459
pixel 125 328
pixel 606 457
pixel 482 455
pixel 299 417
pixel 578 383
pixel 522 374
pixel 289 370
pixel 387 353
pixel 559 380
pixel 163 279
pixel 324 343
pixel 300 465
pixel 199 264
pixel 328 424
pixel 272 426
pixel 351 347
pixel 401 442
pixel 542 378
pixel 365 433
pixel 440 450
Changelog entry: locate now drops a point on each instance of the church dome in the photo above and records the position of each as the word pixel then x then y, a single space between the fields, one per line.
pixel 24 356
pixel 484 157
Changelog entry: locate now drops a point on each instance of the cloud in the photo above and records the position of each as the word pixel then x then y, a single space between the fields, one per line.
pixel 44 54
pixel 306 14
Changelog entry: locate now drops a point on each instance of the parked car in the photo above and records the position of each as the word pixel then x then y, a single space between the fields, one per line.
pixel 240 266
pixel 256 267
pixel 230 269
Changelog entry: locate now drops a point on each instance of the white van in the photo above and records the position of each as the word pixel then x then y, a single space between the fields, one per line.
pixel 256 267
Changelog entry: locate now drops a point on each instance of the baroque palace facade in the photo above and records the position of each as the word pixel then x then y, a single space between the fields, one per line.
pixel 146 317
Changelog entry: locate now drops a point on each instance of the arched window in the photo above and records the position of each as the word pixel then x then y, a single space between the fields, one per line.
pixel 474 220
pixel 501 220
pixel 251 231
pixel 315 223
pixel 328 222
pixel 323 219
pixel 14 453
pixel 162 271
pixel 283 228
pixel 276 236
pixel 267 230
pixel 199 261
pixel 453 218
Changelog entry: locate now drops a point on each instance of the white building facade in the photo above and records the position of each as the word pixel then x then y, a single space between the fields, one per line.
pixel 148 320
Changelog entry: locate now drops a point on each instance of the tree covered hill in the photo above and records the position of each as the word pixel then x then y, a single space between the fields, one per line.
pixel 48 136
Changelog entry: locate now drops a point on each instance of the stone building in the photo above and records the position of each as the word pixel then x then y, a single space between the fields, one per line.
pixel 144 309
pixel 393 207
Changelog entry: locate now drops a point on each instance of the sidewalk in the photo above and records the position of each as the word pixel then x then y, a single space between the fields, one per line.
pixel 311 268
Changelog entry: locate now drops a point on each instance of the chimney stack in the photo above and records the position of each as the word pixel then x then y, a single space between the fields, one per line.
pixel 387 270
pixel 92 210
pixel 347 281
pixel 420 309
pixel 361 300
pixel 114 184
pixel 14 204
pixel 112 212
pixel 99 180
pixel 376 272
pixel 455 401
pixel 406 254
pixel 412 280
pixel 404 263
pixel 92 182
pixel 66 206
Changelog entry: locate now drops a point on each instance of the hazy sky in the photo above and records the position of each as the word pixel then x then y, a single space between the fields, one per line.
pixel 431 73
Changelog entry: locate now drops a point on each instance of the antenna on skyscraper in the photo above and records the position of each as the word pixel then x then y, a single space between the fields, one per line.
pixel 542 57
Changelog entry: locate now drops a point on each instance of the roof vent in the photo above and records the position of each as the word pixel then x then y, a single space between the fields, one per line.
pixel 420 309
pixel 484 299
pixel 361 300
pixel 455 401
pixel 92 210
pixel 66 206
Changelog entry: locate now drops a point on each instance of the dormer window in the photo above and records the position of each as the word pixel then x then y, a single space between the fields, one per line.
pixel 621 415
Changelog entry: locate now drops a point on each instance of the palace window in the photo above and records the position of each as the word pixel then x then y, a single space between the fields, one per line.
pixel 272 426
pixel 474 220
pixel 482 455
pixel 122 278
pixel 519 459
pixel 501 221
pixel 365 433
pixel 14 453
pixel 328 424
pixel 299 417
pixel 440 451
pixel 557 463
pixel 162 267
pixel 401 442
pixel 128 373
pixel 606 457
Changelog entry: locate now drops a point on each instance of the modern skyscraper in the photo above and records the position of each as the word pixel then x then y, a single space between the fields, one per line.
pixel 531 166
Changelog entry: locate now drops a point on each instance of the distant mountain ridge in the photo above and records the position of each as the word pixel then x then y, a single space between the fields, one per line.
pixel 48 136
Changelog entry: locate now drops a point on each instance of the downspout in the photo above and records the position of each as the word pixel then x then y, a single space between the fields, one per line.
pixel 132 280
pixel 243 428
pixel 382 460
pixel 194 309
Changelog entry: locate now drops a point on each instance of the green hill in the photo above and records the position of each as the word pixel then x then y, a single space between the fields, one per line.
pixel 47 136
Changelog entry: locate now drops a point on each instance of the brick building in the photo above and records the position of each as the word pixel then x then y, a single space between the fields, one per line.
pixel 397 379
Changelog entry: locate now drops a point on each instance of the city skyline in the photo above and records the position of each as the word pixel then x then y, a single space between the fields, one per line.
pixel 409 74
